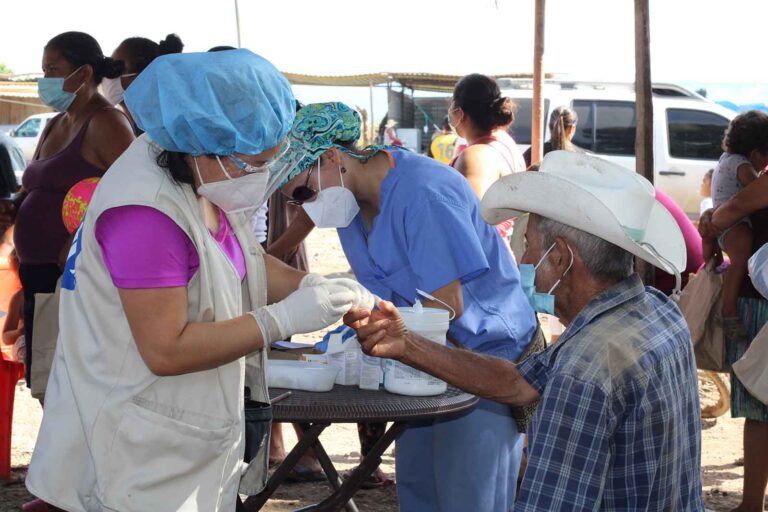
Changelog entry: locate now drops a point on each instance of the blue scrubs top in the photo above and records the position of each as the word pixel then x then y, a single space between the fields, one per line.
pixel 429 233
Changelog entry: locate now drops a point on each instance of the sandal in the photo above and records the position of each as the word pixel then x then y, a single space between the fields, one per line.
pixel 303 474
pixel 373 481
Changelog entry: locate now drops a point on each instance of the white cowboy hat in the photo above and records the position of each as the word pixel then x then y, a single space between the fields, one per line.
pixel 596 196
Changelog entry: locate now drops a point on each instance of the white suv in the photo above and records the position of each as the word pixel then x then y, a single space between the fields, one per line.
pixel 687 128
pixel 27 134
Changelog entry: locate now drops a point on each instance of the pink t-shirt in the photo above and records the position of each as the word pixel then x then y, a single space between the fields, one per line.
pixel 144 248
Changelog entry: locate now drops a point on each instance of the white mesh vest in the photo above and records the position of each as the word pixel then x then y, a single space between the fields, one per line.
pixel 114 435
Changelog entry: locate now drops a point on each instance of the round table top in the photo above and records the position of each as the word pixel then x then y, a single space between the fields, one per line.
pixel 350 404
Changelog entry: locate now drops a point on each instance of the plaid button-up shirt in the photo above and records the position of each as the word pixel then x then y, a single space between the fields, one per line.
pixel 617 427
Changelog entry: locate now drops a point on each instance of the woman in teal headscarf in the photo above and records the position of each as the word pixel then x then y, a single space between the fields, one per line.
pixel 406 221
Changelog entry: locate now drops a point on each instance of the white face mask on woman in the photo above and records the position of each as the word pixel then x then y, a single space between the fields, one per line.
pixel 334 207
pixel 234 194
pixel 113 88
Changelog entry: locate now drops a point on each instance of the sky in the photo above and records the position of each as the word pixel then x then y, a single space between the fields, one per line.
pixel 707 42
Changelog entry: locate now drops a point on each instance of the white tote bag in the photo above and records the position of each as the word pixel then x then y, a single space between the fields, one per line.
pixel 700 303
pixel 752 368
pixel 45 332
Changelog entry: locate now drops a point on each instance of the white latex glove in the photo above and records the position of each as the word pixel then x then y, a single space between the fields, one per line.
pixel 307 309
pixel 363 298
pixel 312 280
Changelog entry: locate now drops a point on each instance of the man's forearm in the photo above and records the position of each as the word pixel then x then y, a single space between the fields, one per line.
pixel 482 375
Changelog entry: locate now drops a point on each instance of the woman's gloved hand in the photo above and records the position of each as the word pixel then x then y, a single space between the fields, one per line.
pixel 312 280
pixel 308 309
pixel 363 298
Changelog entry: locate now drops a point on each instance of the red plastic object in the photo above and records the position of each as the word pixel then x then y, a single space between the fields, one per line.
pixel 36 506
pixel 10 373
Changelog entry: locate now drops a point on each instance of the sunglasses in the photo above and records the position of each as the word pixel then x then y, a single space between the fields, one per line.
pixel 303 193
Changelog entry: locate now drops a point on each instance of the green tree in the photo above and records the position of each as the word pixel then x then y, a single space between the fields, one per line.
pixel 4 69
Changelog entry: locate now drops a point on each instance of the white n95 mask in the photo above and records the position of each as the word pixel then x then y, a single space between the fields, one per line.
pixel 234 194
pixel 334 207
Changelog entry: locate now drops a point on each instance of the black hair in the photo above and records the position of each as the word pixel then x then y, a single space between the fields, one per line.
pixel 447 124
pixel 173 162
pixel 142 51
pixel 480 98
pixel 79 49
pixel 747 131
pixel 222 48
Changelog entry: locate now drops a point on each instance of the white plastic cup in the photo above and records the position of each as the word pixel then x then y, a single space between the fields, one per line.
pixel 399 378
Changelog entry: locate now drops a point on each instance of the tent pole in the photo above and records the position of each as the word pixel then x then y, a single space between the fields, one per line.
pixel 237 22
pixel 644 109
pixel 370 99
pixel 538 75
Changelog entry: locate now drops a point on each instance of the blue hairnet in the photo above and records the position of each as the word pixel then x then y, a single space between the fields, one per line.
pixel 212 103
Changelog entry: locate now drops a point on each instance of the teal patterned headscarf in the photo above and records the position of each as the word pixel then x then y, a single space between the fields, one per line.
pixel 319 127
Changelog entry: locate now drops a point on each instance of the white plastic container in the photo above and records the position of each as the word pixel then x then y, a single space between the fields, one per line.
pixel 300 375
pixel 431 323
pixel 348 363
pixel 370 372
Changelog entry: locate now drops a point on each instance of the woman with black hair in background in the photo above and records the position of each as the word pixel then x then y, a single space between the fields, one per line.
pixel 81 142
pixel 482 116
pixel 136 53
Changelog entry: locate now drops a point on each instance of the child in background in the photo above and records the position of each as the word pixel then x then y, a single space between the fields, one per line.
pixel 746 153
pixel 706 192
pixel 13 329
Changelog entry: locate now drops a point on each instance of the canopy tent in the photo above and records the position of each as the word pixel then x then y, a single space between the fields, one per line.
pixel 429 82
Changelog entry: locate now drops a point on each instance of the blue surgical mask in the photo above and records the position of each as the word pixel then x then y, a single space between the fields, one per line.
pixel 51 92
pixel 540 302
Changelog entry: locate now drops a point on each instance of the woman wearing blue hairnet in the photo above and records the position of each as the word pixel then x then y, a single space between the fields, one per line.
pixel 406 221
pixel 166 293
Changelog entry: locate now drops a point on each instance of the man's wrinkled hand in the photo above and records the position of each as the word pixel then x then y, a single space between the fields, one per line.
pixel 381 332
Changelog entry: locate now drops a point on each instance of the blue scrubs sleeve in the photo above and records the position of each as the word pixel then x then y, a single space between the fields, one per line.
pixel 443 245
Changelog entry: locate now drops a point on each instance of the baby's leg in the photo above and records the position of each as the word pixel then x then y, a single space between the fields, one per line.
pixel 708 249
pixel 738 244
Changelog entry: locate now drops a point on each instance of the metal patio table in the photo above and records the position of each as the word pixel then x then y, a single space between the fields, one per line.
pixel 314 412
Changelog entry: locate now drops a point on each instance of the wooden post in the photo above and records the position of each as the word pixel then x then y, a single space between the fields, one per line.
pixel 372 140
pixel 537 121
pixel 643 109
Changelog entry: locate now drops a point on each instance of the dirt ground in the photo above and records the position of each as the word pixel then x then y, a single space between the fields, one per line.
pixel 721 438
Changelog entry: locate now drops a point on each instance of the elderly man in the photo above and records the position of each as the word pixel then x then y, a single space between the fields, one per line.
pixel 617 425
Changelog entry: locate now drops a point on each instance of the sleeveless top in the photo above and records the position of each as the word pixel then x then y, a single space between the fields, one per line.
pixel 40 233
pixel 514 163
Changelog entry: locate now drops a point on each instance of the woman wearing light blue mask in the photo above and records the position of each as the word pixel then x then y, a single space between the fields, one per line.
pixel 82 142
pixel 408 222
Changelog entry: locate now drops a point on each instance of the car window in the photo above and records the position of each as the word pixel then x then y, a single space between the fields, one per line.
pixel 606 127
pixel 695 134
pixel 521 128
pixel 29 128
